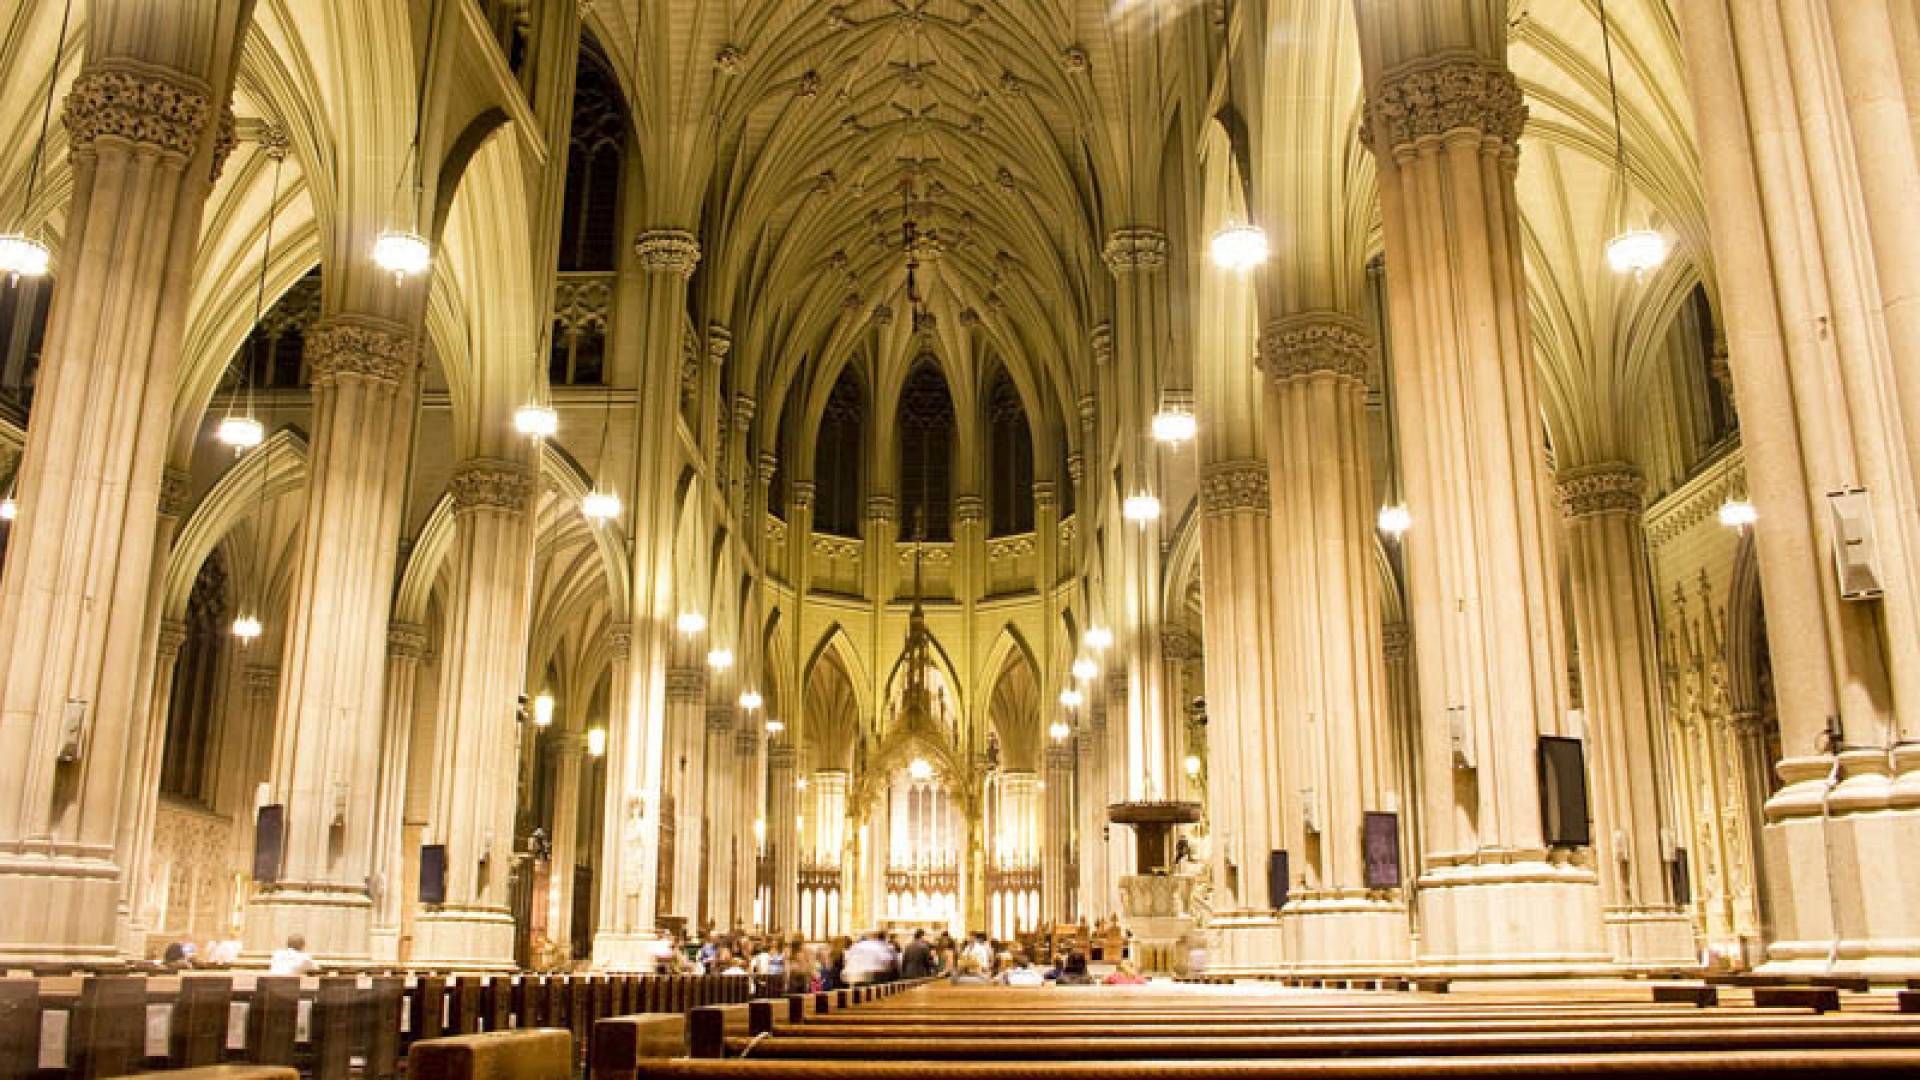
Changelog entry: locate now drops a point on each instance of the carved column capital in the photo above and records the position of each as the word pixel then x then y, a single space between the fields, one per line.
pixel 719 719
pixel 1178 644
pixel 263 681
pixel 145 108
pixel 767 465
pixel 406 641
pixel 1230 487
pixel 746 742
pixel 969 509
pixel 490 485
pixel 743 411
pixel 1059 758
pixel 359 347
pixel 668 251
pixel 619 641
pixel 687 684
pixel 1396 641
pixel 173 634
pixel 781 758
pixel 1076 467
pixel 719 343
pixel 1133 248
pixel 1100 342
pixel 1611 488
pixel 176 494
pixel 1044 495
pixel 1433 99
pixel 1315 343
pixel 882 508
pixel 800 494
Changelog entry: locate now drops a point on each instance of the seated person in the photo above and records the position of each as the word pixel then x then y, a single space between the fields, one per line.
pixel 967 971
pixel 1021 972
pixel 1125 975
pixel 1074 971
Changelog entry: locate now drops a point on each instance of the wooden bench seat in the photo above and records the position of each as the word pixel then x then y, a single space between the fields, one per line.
pixel 1744 1065
pixel 1697 1021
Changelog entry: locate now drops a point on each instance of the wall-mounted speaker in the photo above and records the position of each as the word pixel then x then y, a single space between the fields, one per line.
pixel 1277 880
pixel 433 873
pixel 1563 792
pixel 269 840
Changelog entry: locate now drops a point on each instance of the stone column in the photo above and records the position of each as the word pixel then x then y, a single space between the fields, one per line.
pixel 1807 151
pixel 406 648
pixel 1443 119
pixel 77 625
pixel 720 800
pixel 1090 804
pixel 1244 740
pixel 783 837
pixel 747 809
pixel 1057 835
pixel 145 790
pixel 636 736
pixel 686 717
pixel 1333 713
pixel 1627 754
pixel 568 749
pixel 882 539
pixel 327 740
pixel 478 759
pixel 1137 257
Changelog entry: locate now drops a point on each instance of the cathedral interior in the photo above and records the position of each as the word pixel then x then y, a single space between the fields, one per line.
pixel 1379 485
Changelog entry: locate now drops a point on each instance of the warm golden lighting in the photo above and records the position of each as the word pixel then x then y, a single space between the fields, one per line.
pixel 1636 251
pixel 1239 247
pixel 919 769
pixel 1097 638
pixel 1084 668
pixel 536 421
pixel 1072 698
pixel 247 628
pixel 1140 509
pixel 720 659
pixel 597 742
pixel 600 507
pixel 1738 514
pixel 543 710
pixel 402 254
pixel 690 622
pixel 1395 520
pixel 23 257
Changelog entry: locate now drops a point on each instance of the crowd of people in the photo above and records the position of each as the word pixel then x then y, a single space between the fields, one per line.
pixel 878 957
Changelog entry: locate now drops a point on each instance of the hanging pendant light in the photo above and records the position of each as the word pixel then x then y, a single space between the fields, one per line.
pixel 9 509
pixel 1085 668
pixel 239 429
pixel 536 421
pixel 1141 508
pixel 690 622
pixel 543 710
pixel 21 255
pixel 1395 520
pixel 600 507
pixel 1097 638
pixel 247 628
pixel 597 742
pixel 750 700
pixel 403 254
pixel 920 769
pixel 241 432
pixel 775 727
pixel 1174 426
pixel 1239 247
pixel 1738 514
pixel 720 659
pixel 1072 698
pixel 1632 251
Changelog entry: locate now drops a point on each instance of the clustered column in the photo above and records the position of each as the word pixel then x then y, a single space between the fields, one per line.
pixel 406 650
pixel 686 705
pixel 1628 757
pixel 1443 119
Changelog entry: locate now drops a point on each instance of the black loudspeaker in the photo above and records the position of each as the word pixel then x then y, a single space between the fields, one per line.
pixel 1563 792
pixel 433 873
pixel 1682 877
pixel 269 836
pixel 1277 880
pixel 1380 846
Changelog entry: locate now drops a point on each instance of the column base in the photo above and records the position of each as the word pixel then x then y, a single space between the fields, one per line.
pixel 1247 942
pixel 1646 938
pixel 1345 931
pixel 1524 917
pixel 477 938
pixel 1840 877
pixel 62 906
pixel 635 951
pixel 333 918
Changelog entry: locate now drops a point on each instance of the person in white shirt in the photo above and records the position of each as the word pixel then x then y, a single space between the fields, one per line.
pixel 1021 972
pixel 293 960
pixel 870 960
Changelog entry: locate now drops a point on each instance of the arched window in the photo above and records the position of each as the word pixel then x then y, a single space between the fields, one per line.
pixel 23 331
pixel 196 689
pixel 272 355
pixel 837 457
pixel 926 453
pixel 1012 458
pixel 589 226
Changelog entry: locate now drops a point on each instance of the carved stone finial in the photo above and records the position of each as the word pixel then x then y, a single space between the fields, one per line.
pixel 1429 101
pixel 1315 343
pixel 163 114
pixel 1228 487
pixel 1135 247
pixel 668 251
pixel 1611 488
pixel 490 484
pixel 359 347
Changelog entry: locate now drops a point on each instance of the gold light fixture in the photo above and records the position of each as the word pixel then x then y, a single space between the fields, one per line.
pixel 1395 520
pixel 23 256
pixel 1098 638
pixel 1072 698
pixel 690 622
pixel 1141 508
pixel 1239 247
pixel 543 710
pixel 1632 251
pixel 720 659
pixel 597 742
pixel 536 421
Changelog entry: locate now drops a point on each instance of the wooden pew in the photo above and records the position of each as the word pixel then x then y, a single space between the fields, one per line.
pixel 535 1054
pixel 1759 1065
pixel 107 1033
pixel 19 1027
